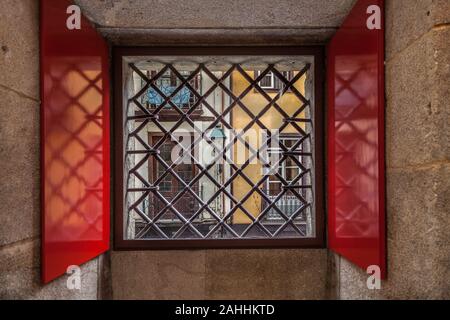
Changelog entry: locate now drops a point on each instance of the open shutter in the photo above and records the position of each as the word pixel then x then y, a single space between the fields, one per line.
pixel 356 183
pixel 74 140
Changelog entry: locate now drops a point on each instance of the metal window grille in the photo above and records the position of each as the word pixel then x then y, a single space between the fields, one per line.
pixel 190 169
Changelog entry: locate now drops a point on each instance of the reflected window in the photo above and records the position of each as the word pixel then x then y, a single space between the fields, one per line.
pixel 271 82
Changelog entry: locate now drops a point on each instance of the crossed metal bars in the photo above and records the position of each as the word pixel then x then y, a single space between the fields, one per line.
pixel 200 99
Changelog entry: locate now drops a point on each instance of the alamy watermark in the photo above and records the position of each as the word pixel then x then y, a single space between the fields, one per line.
pixel 74 278
pixel 73 22
pixel 374 20
pixel 374 280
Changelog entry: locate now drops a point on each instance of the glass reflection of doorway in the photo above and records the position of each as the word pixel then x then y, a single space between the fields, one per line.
pixel 171 183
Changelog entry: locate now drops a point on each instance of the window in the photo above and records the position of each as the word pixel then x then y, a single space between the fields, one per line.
pixel 246 172
pixel 289 170
pixel 271 82
pixel 165 85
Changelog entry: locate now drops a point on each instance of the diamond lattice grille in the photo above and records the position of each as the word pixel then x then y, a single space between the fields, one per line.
pixel 219 150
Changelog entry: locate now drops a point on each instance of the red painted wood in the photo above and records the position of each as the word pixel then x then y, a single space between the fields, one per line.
pixel 74 141
pixel 356 177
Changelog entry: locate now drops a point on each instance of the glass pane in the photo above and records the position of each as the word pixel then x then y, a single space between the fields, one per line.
pixel 212 155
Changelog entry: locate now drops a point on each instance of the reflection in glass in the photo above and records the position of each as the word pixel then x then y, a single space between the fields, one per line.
pixel 218 149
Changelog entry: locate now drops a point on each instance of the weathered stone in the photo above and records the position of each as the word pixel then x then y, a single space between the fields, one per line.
pixel 418 239
pixel 19 46
pixel 408 20
pixel 266 274
pixel 19 167
pixel 178 37
pixel 20 276
pixel 158 274
pixel 441 12
pixel 220 274
pixel 440 95
pixel 417 102
pixel 153 14
pixel 104 277
pixel 266 22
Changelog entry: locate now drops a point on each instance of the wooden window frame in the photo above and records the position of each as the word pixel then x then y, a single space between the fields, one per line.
pixel 318 241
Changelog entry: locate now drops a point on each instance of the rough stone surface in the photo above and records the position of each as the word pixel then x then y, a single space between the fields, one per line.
pixel 418 239
pixel 19 167
pixel 266 274
pixel 408 20
pixel 417 109
pixel 440 96
pixel 158 274
pixel 220 274
pixel 19 46
pixel 147 22
pixel 441 13
pixel 215 13
pixel 104 277
pixel 20 276
pixel 179 37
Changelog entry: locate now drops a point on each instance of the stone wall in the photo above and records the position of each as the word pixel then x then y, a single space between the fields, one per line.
pixel 417 114
pixel 19 163
pixel 220 274
pixel 418 167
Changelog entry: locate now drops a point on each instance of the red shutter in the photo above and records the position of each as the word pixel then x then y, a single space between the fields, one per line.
pixel 356 182
pixel 74 141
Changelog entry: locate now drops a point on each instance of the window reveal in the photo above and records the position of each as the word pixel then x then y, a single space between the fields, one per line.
pixel 242 170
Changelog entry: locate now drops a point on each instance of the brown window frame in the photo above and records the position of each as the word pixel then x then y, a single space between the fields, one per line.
pixel 119 243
